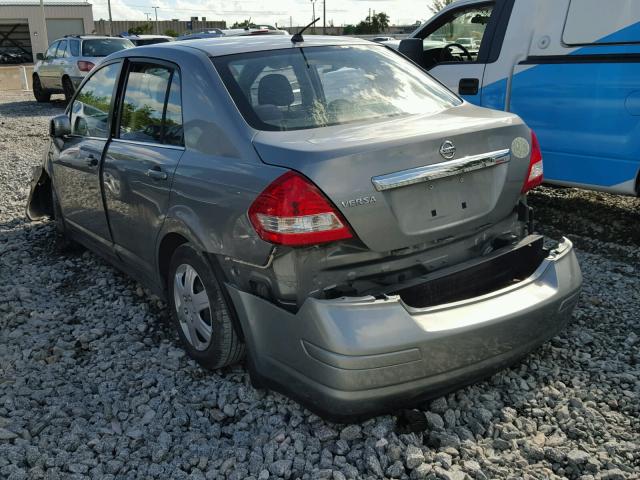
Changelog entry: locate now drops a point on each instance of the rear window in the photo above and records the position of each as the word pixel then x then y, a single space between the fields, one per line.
pixel 594 22
pixel 104 46
pixel 314 87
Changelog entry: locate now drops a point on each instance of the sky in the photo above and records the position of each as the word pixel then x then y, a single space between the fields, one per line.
pixel 401 12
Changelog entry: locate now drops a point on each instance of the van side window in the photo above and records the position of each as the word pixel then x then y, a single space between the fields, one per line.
pixel 90 109
pixel 459 36
pixel 612 25
pixel 151 107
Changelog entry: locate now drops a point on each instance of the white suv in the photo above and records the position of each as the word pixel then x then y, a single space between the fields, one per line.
pixel 68 60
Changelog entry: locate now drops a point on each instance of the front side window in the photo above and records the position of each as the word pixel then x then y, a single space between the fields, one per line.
pixel 151 108
pixel 51 51
pixel 320 86
pixel 101 47
pixel 62 47
pixel 90 109
pixel 461 34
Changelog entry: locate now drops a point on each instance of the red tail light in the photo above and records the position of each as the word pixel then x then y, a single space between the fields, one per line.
pixel 85 66
pixel 536 169
pixel 293 211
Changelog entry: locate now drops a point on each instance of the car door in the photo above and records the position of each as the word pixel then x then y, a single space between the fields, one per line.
pixel 57 65
pixel 45 69
pixel 142 158
pixel 461 69
pixel 76 164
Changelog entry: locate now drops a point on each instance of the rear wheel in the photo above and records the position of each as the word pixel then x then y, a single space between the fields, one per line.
pixel 39 92
pixel 68 89
pixel 200 312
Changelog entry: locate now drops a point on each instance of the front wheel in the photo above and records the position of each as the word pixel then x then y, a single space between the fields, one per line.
pixel 62 241
pixel 68 89
pixel 39 92
pixel 200 312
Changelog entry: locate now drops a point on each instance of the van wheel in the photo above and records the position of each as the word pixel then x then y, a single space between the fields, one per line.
pixel 40 93
pixel 62 241
pixel 200 312
pixel 68 89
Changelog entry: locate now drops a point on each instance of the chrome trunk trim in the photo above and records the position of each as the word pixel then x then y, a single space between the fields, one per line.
pixel 440 170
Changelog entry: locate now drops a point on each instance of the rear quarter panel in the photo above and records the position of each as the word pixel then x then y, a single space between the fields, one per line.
pixel 220 174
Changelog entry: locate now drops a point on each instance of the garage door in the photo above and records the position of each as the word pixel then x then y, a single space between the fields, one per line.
pixel 15 43
pixel 59 27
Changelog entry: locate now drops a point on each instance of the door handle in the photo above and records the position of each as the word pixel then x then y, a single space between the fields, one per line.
pixel 157 174
pixel 92 161
pixel 469 86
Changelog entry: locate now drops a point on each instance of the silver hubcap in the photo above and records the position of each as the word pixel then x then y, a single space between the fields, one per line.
pixel 192 307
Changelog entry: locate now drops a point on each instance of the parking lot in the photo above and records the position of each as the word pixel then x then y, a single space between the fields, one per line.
pixel 94 385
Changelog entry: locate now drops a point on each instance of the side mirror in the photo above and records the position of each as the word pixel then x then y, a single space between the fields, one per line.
pixel 59 126
pixel 39 56
pixel 413 49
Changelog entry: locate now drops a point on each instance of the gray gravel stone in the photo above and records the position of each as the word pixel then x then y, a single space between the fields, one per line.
pixel 93 384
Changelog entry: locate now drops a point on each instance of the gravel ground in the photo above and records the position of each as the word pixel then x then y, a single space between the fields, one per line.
pixel 92 384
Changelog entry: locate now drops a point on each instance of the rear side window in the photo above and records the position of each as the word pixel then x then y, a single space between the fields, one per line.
pixel 74 48
pixel 102 47
pixel 151 107
pixel 594 22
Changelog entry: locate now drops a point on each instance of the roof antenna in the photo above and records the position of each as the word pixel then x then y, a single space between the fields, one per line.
pixel 297 38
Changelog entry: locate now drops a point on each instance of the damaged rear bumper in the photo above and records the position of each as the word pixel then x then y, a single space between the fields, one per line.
pixel 354 357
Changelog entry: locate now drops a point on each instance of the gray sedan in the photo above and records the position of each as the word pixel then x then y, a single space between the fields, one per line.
pixel 324 205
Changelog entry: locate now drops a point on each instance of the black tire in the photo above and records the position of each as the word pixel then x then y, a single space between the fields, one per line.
pixel 224 346
pixel 68 89
pixel 40 93
pixel 62 241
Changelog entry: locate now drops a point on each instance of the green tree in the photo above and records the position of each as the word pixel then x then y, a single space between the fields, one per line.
pixel 349 30
pixel 141 29
pixel 171 33
pixel 243 24
pixel 372 24
pixel 437 5
pixel 382 20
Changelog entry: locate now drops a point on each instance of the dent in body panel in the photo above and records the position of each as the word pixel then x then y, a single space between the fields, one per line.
pixel 350 268
pixel 210 199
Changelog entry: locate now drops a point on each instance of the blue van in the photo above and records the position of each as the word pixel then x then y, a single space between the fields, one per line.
pixel 569 68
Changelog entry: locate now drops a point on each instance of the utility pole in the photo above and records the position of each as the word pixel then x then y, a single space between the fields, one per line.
pixel 110 19
pixel 324 17
pixel 148 15
pixel 313 6
pixel 156 10
pixel 45 38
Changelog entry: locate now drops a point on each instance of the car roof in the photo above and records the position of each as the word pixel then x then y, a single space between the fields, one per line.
pixel 86 37
pixel 216 47
pixel 129 37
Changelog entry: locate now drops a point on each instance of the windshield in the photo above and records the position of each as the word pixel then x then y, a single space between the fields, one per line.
pixel 315 87
pixel 104 46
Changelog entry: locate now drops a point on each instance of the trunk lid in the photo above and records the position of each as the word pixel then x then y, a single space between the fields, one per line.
pixel 362 169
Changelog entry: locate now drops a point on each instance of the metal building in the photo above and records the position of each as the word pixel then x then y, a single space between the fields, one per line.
pixel 22 27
